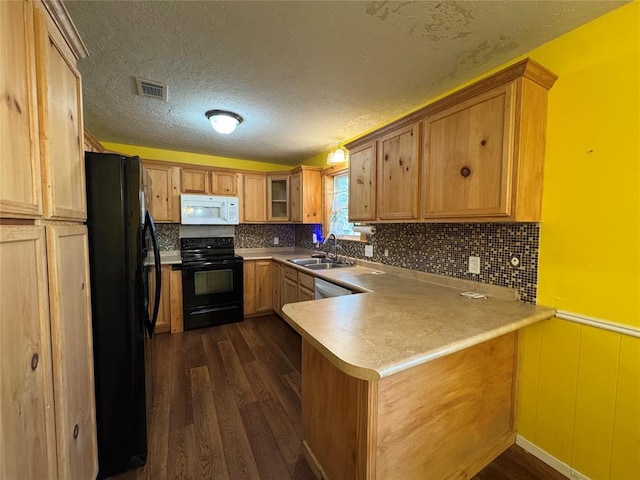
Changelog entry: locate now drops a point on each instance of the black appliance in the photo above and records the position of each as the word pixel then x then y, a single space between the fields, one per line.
pixel 118 224
pixel 212 282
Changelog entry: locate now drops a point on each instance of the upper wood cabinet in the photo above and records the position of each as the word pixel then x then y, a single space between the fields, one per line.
pixel 480 158
pixel 306 194
pixel 362 183
pixel 254 196
pixel 194 181
pixel 160 184
pixel 277 197
pixel 72 351
pixel 398 174
pixel 468 157
pixel 27 436
pixel 224 183
pixel 61 124
pixel 20 181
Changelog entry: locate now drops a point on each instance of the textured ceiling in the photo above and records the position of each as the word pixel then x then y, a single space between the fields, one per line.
pixel 305 75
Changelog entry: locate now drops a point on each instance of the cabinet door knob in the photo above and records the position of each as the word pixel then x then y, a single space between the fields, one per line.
pixel 483 143
pixel 76 431
pixel 34 361
pixel 465 171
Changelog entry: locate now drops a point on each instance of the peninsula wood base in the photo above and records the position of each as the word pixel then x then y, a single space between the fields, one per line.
pixel 447 418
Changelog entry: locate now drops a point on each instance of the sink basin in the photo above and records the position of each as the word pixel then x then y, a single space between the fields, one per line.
pixel 318 263
pixel 325 266
pixel 312 261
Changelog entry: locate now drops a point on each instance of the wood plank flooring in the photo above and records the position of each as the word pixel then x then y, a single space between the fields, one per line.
pixel 226 405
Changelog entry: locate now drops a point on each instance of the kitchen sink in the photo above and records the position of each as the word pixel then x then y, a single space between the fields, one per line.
pixel 318 263
pixel 325 266
pixel 312 261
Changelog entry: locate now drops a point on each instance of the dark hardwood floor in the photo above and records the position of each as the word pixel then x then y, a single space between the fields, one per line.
pixel 226 405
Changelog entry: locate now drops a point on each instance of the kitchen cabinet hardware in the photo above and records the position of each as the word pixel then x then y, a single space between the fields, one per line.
pixel 76 431
pixel 465 171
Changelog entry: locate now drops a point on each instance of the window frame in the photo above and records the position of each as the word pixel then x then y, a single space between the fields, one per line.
pixel 328 175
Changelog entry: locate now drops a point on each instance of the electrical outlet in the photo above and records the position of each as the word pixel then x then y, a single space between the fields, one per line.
pixel 368 250
pixel 386 252
pixel 474 265
pixel 276 241
pixel 314 238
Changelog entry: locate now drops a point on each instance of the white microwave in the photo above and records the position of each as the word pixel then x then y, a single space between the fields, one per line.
pixel 208 210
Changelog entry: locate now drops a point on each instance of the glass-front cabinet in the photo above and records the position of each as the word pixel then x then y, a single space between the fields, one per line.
pixel 278 198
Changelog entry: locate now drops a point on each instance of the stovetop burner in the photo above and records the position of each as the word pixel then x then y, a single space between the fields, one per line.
pixel 211 249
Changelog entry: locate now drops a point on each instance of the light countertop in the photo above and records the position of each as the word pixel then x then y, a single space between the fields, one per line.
pixel 403 319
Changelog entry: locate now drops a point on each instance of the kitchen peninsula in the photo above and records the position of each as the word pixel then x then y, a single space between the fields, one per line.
pixel 411 380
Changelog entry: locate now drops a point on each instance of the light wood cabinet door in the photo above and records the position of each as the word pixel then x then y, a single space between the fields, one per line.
pixel 195 181
pixel 398 174
pixel 249 282
pixel 175 295
pixel 20 181
pixel 254 198
pixel 27 436
pixel 257 287
pixel 263 286
pixel 468 157
pixel 158 188
pixel 61 125
pixel 288 290
pixel 163 322
pixel 278 198
pixel 275 287
pixel 305 194
pixel 224 183
pixel 362 183
pixel 304 294
pixel 295 185
pixel 72 350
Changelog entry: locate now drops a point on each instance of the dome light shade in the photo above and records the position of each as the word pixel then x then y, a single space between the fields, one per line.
pixel 223 121
pixel 339 155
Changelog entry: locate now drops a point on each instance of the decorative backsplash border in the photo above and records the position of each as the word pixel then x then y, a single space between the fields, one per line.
pixel 439 248
pixel 445 248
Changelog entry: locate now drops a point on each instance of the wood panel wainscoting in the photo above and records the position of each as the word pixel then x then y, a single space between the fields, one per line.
pixel 227 404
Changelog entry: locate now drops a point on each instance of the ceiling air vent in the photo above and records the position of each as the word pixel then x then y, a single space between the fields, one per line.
pixel 151 88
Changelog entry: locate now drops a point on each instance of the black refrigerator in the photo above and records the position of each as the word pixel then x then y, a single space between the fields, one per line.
pixel 119 228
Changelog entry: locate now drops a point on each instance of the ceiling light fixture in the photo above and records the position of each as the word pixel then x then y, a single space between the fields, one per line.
pixel 338 155
pixel 223 121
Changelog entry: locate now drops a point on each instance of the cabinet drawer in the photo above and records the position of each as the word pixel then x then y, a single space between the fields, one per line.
pixel 290 273
pixel 306 281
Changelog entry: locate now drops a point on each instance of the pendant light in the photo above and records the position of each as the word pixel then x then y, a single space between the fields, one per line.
pixel 223 121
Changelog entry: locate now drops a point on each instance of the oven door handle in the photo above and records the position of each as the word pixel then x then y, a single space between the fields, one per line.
pixel 151 321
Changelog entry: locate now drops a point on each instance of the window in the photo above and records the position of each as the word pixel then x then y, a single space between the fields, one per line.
pixel 337 206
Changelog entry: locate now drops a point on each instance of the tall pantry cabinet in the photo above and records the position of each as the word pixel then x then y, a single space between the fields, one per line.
pixel 47 408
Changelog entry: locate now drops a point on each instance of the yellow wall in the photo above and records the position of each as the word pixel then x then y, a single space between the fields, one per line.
pixel 196 158
pixel 579 395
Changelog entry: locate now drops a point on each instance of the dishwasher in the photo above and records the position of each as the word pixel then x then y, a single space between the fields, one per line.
pixel 326 289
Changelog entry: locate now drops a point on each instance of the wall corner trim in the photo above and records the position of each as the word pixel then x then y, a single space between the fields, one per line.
pixel 599 323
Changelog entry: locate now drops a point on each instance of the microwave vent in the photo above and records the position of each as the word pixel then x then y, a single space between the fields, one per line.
pixel 151 88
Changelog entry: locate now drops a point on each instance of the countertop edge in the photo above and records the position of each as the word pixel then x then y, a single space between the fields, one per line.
pixel 375 374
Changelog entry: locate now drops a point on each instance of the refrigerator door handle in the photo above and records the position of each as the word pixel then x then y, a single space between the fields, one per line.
pixel 151 322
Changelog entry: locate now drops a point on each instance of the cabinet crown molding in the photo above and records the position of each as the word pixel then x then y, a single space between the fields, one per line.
pixel 63 21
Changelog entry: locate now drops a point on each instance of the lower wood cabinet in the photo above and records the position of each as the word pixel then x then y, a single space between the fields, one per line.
pixel 46 374
pixel 257 287
pixel 295 286
pixel 275 287
pixel 170 309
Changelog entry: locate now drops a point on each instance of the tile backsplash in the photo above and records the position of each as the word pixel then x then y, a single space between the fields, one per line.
pixel 444 249
pixel 440 248
pixel 246 236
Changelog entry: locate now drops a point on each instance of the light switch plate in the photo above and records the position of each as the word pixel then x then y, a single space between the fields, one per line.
pixel 368 250
pixel 276 240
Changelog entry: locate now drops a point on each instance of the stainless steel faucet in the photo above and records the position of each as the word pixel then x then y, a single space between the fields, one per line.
pixel 335 245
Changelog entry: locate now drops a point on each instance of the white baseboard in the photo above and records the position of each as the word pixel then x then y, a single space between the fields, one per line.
pixel 550 460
